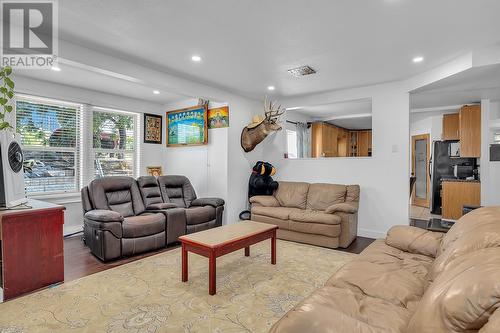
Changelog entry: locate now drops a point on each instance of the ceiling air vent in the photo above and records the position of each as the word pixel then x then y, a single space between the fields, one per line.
pixel 301 71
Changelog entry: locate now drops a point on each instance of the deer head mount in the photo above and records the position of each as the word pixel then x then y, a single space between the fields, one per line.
pixel 256 132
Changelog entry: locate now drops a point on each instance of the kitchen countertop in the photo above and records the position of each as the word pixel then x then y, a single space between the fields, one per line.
pixel 460 180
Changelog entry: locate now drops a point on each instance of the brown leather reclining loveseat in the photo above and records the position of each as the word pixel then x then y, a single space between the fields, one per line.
pixel 123 217
pixel 318 214
pixel 414 281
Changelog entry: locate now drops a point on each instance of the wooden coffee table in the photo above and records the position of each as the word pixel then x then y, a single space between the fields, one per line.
pixel 219 241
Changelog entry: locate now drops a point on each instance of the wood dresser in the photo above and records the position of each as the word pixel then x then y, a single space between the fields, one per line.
pixel 32 249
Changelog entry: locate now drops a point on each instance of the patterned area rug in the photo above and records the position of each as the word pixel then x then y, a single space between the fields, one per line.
pixel 147 295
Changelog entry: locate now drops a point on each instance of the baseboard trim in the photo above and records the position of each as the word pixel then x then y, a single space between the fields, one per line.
pixel 71 229
pixel 371 233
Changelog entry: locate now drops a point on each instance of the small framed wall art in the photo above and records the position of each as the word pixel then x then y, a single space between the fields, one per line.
pixel 187 127
pixel 152 128
pixel 218 117
pixel 154 171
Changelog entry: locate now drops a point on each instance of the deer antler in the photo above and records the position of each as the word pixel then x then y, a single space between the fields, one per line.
pixel 272 111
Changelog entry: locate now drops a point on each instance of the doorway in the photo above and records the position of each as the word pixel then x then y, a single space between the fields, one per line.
pixel 420 169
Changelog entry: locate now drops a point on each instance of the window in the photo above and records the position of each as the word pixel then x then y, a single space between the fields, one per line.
pixel 66 145
pixel 49 135
pixel 114 143
pixel 291 140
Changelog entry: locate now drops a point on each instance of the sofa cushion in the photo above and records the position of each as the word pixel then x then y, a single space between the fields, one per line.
pixel 320 196
pixel 342 207
pixel 331 309
pixel 282 224
pixel 384 272
pixel 414 240
pixel 199 214
pixel 476 230
pixel 292 194
pixel 282 213
pixel 265 200
pixel 463 296
pixel 314 217
pixel 352 194
pixel 143 225
pixel 161 205
pixel 330 230
pixel 177 190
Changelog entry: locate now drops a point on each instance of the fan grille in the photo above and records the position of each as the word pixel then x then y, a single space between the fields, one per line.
pixel 15 156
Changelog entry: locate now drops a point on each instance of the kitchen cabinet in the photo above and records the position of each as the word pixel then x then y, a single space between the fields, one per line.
pixel 364 143
pixel 470 131
pixel 328 140
pixel 451 126
pixel 324 140
pixel 456 194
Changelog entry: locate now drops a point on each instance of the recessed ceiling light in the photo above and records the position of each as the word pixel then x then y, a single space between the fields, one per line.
pixel 418 59
pixel 56 69
pixel 156 92
pixel 270 88
pixel 196 58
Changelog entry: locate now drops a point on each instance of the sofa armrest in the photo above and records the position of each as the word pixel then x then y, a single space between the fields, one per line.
pixel 101 215
pixel 265 200
pixel 414 240
pixel 214 202
pixel 161 205
pixel 342 208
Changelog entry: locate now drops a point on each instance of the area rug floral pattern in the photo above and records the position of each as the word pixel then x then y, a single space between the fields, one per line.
pixel 147 296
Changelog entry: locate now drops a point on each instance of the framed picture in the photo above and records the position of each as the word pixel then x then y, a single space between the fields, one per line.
pixel 154 171
pixel 152 128
pixel 218 117
pixel 187 127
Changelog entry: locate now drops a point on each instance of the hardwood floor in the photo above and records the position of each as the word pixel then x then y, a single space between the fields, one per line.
pixel 79 262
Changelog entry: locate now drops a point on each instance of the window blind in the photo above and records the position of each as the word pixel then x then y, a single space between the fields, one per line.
pixel 114 141
pixel 49 133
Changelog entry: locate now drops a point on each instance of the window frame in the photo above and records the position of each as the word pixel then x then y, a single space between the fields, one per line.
pixel 137 136
pixel 84 148
pixel 76 149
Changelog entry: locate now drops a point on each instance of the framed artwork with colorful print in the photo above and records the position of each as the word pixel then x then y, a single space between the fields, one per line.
pixel 186 127
pixel 152 128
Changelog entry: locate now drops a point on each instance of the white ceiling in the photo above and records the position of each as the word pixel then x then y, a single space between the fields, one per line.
pixel 466 87
pixel 248 45
pixel 339 109
pixel 355 114
pixel 107 82
pixel 357 123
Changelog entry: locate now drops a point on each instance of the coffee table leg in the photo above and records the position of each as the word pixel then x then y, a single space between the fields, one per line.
pixel 273 248
pixel 247 251
pixel 184 263
pixel 211 274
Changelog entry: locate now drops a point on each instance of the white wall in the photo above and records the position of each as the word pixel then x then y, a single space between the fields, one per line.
pixel 383 178
pixel 206 165
pixel 490 171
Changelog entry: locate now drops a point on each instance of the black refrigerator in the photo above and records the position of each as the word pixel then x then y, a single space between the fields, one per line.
pixel 442 168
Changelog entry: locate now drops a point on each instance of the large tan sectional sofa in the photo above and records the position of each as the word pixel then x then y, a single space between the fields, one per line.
pixel 414 281
pixel 318 214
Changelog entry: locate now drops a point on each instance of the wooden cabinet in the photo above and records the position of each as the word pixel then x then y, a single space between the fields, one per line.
pixel 331 141
pixel 324 140
pixel 451 126
pixel 343 143
pixel 470 131
pixel 364 143
pixel 31 248
pixel 456 194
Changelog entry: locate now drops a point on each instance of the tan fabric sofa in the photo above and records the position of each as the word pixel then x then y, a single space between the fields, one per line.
pixel 414 281
pixel 318 214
